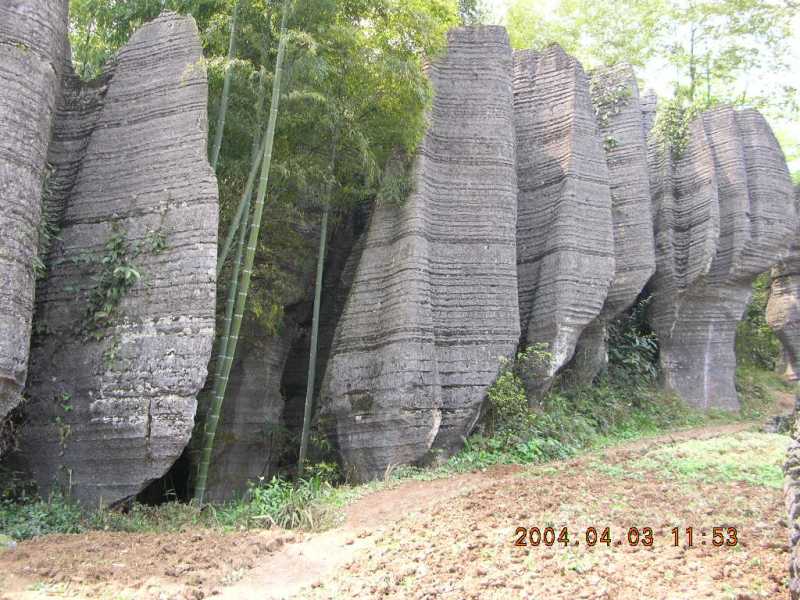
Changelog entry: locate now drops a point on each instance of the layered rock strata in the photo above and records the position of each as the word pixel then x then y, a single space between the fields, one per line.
pixel 783 308
pixel 112 386
pixel 615 96
pixel 33 50
pixel 791 495
pixel 724 213
pixel 433 303
pixel 565 240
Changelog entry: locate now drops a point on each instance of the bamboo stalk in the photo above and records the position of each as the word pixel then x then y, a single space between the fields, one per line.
pixel 221 384
pixel 226 86
pixel 257 152
pixel 312 359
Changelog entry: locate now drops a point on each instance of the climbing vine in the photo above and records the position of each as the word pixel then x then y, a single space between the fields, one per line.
pixel 117 275
pixel 48 226
pixel 609 97
pixel 671 128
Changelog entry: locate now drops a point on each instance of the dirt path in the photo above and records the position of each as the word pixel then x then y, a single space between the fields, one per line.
pixel 454 538
pixel 370 519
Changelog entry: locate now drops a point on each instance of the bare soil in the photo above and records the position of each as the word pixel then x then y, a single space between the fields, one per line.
pixel 452 538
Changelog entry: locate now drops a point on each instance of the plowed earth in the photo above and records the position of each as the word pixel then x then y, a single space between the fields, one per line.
pixel 454 538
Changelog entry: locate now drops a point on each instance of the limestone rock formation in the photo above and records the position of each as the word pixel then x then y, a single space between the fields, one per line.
pixel 615 96
pixel 783 308
pixel 112 388
pixel 724 213
pixel 33 48
pixel 565 242
pixel 791 495
pixel 434 301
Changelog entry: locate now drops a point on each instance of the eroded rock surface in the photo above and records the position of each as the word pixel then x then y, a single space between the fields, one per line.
pixel 33 50
pixel 434 300
pixel 783 308
pixel 791 495
pixel 565 242
pixel 615 96
pixel 724 213
pixel 112 400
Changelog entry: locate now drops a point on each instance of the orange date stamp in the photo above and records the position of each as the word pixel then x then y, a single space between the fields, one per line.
pixel 688 537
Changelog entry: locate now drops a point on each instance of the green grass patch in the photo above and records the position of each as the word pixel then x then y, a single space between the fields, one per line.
pixel 309 504
pixel 752 457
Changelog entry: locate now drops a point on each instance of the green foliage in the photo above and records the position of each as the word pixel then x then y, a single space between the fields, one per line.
pixel 757 389
pixel 632 348
pixel 671 128
pixel 471 12
pixel 290 505
pixel 755 458
pixel 625 403
pixel 708 52
pixel 597 33
pixel 306 504
pixel 48 230
pixel 756 343
pixel 116 276
pixel 354 80
pixel 608 98
pixel 23 520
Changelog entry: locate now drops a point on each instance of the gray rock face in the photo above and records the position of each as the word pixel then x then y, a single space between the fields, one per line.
pixel 33 49
pixel 615 96
pixel 112 405
pixel 724 213
pixel 565 242
pixel 434 302
pixel 791 495
pixel 783 308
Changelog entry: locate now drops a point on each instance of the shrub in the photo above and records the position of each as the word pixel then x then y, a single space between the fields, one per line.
pixel 289 506
pixel 22 520
pixel 756 343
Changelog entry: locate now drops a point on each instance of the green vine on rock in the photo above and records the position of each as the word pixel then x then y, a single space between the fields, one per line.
pixel 609 96
pixel 116 277
pixel 671 128
pixel 48 225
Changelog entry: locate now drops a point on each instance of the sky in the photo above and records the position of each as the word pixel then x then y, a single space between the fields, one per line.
pixel 653 78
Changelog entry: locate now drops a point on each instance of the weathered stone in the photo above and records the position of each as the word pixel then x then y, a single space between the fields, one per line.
pixel 565 243
pixel 783 308
pixel 111 408
pixel 434 303
pixel 33 49
pixel 724 213
pixel 615 96
pixel 791 495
